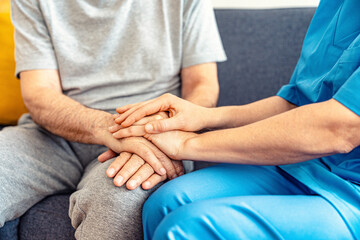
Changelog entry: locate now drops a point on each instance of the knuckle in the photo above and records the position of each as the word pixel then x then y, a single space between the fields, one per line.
pixel 149 168
pixel 124 155
pixel 160 126
pixel 129 131
pixel 139 161
pixel 145 154
pixel 125 173
pixel 179 168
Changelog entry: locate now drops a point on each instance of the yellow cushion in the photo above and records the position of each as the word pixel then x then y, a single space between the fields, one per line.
pixel 11 103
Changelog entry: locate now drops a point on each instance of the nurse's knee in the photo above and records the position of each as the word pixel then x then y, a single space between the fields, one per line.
pixel 215 220
pixel 167 198
pixel 186 222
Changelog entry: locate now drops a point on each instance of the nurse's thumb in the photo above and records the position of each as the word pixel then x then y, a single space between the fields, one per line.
pixel 160 126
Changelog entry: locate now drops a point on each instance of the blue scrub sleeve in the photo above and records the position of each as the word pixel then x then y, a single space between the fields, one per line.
pixel 349 93
pixel 289 93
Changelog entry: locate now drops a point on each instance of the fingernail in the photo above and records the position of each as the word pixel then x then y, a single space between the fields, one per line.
pixel 158 117
pixel 119 179
pixel 110 172
pixel 132 183
pixel 162 171
pixel 182 173
pixel 146 184
pixel 149 127
pixel 174 176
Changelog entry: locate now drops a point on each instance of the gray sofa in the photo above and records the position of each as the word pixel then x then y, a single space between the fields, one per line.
pixel 262 47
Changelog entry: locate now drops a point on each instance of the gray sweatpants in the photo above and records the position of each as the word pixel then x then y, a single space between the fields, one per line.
pixel 35 163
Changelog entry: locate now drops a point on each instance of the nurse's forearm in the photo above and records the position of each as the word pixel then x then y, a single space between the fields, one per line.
pixel 301 134
pixel 236 116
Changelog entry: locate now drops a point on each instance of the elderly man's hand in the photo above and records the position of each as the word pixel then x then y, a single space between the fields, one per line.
pixel 134 170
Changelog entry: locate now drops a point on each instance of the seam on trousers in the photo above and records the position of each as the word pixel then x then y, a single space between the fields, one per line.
pixel 84 214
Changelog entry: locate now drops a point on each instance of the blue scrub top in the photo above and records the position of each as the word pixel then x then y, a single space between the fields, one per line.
pixel 329 67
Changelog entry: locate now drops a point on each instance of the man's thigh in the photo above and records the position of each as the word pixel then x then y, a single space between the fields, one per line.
pixel 100 210
pixel 255 217
pixel 33 164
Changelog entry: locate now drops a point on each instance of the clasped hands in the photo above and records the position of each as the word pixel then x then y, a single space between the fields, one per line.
pixel 158 130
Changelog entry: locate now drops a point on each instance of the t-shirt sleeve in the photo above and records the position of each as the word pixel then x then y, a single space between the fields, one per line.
pixel 201 38
pixel 349 93
pixel 33 46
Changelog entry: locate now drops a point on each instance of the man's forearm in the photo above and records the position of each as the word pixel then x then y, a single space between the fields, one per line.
pixel 200 84
pixel 67 118
pixel 206 96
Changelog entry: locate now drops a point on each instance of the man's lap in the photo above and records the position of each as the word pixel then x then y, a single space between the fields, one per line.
pixel 35 163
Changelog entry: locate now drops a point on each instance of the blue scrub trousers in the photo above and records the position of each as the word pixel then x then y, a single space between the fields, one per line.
pixel 230 201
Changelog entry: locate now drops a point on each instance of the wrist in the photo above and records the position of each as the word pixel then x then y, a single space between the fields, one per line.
pixel 188 149
pixel 101 133
pixel 212 118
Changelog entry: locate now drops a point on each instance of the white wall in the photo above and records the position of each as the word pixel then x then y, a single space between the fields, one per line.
pixel 264 3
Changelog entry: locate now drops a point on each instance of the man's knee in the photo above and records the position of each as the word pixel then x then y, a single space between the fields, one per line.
pixel 100 207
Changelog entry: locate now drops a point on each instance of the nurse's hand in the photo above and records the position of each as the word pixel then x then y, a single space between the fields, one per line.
pixel 137 129
pixel 172 143
pixel 183 114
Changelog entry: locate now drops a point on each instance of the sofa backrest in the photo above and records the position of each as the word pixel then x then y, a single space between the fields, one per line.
pixel 262 48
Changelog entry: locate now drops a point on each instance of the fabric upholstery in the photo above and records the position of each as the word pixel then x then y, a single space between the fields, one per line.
pixel 262 48
pixel 48 220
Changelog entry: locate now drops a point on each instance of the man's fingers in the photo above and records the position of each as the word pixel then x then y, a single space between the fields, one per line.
pixel 115 128
pixel 128 170
pixel 179 167
pixel 147 154
pixel 133 131
pixel 140 176
pixel 153 181
pixel 139 146
pixel 109 154
pixel 168 165
pixel 117 164
pixel 166 162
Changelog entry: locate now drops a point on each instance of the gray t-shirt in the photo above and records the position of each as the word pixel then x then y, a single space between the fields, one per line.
pixel 114 52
